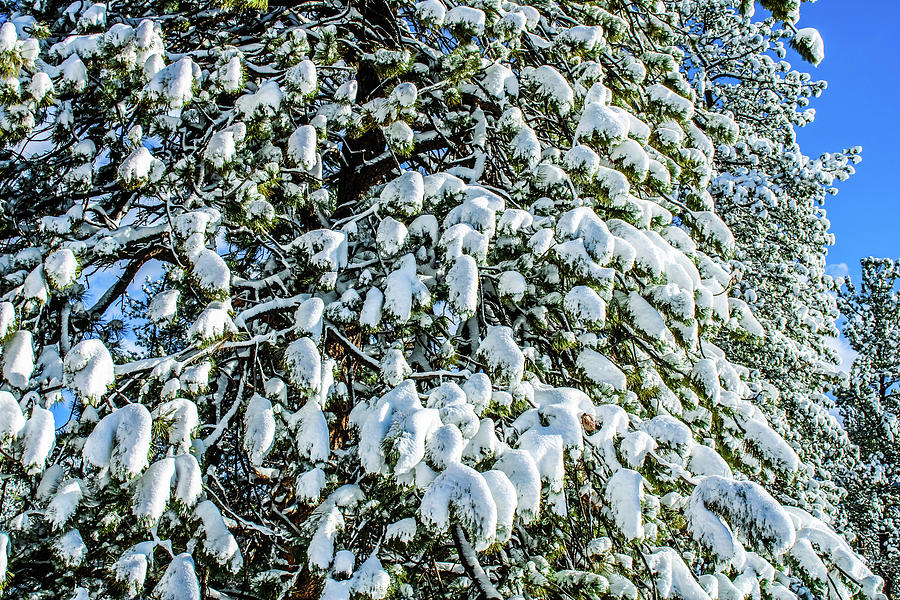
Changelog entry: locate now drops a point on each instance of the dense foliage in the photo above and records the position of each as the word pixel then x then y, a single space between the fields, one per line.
pixel 374 299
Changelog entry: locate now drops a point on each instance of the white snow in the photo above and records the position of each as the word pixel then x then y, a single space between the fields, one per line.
pixel 371 580
pixel 18 359
pixel 38 438
pixel 70 548
pixel 211 272
pixel 624 492
pixel 173 85
pixel 749 508
pixel 60 268
pixel 120 442
pixel 213 323
pixel 259 429
pixel 139 169
pixel 810 41
pixel 11 418
pixel 88 369
pixel 462 281
pixel 218 541
pixel 392 431
pixel 470 20
pixel 223 144
pixel 390 236
pixel 303 365
pixel 163 306
pixel 393 367
pixel 402 531
pixel 512 285
pixel 301 147
pixel 600 370
pixel 152 491
pixel 310 485
pixel 64 503
pixel 404 195
pixel 502 355
pixel 179 582
pixel 522 471
pixel 462 491
pixel 311 427
pixel 302 76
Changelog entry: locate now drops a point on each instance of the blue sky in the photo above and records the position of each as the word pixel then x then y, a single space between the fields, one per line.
pixel 858 109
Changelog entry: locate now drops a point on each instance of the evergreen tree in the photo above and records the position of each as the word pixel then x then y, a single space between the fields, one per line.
pixel 771 196
pixel 870 405
pixel 438 303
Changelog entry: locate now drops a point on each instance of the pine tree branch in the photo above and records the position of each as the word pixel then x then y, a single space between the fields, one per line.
pixel 469 560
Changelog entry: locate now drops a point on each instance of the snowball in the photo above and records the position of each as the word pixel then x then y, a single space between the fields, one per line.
pixel 602 123
pixel 553 87
pixel 673 578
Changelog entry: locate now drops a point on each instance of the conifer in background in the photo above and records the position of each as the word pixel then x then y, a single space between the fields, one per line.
pixel 870 405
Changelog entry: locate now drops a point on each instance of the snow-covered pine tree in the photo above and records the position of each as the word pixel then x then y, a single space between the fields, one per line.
pixel 431 311
pixel 870 405
pixel 771 196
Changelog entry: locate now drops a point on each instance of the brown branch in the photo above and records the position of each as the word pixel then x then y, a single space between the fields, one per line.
pixel 158 252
